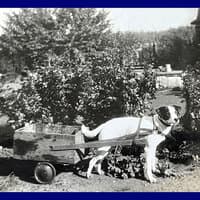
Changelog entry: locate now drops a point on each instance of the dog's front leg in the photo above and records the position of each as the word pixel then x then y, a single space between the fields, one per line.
pixel 92 162
pixel 148 165
pixel 99 170
pixel 154 160
pixel 97 159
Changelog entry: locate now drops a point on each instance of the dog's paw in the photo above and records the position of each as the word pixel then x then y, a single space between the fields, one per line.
pixel 100 172
pixel 156 171
pixel 88 175
pixel 152 180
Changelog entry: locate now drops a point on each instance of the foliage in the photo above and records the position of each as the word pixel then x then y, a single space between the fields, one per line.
pixel 126 45
pixel 58 36
pixel 113 91
pixel 175 47
pixel 124 166
pixel 59 92
pixel 128 162
pixel 192 94
pixel 78 68
pixel 47 36
pixel 48 95
pixel 23 105
pixel 27 34
pixel 96 94
pixel 41 36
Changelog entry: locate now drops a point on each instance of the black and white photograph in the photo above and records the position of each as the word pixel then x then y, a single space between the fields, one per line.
pixel 100 99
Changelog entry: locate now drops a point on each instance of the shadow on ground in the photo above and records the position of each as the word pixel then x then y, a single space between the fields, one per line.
pixel 22 169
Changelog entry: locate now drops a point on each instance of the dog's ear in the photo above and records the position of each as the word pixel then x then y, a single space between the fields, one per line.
pixel 177 108
pixel 163 112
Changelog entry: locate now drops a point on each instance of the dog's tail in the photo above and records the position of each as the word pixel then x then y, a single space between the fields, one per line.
pixel 91 134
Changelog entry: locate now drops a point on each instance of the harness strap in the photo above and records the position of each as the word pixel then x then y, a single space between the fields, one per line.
pixel 145 132
pixel 156 127
pixel 138 128
pixel 139 138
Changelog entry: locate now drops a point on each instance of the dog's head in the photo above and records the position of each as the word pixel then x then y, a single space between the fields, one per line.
pixel 169 115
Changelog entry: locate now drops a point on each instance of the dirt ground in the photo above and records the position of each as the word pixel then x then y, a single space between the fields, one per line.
pixel 187 181
pixel 17 176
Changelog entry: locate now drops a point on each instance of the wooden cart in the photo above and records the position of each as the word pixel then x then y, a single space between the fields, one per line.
pixel 55 144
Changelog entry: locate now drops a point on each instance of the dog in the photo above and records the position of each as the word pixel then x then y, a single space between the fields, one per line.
pixel 164 119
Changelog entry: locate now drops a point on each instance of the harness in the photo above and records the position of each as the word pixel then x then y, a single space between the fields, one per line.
pixel 139 137
pixel 142 132
pixel 145 130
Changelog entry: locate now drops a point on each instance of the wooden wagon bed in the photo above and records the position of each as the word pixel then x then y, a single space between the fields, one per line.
pixel 33 143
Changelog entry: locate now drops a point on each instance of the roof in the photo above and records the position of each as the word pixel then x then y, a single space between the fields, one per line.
pixel 197 20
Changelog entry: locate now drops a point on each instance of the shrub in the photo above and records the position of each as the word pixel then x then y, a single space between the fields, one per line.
pixel 192 94
pixel 50 95
pixel 96 89
pixel 59 92
pixel 115 90
pixel 23 105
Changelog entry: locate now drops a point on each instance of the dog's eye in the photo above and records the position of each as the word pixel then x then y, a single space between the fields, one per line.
pixel 164 113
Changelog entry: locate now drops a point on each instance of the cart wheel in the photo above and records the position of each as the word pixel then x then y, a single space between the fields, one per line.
pixel 44 172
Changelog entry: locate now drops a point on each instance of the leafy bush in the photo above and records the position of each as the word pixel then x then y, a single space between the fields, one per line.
pixel 96 92
pixel 124 166
pixel 192 94
pixel 59 93
pixel 114 90
pixel 49 95
pixel 85 70
pixel 128 162
pixel 23 105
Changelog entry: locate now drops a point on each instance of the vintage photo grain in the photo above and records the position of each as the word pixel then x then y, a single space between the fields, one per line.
pixel 99 99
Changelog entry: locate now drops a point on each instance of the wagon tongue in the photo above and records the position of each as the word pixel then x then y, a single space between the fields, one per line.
pixel 96 144
pixel 125 140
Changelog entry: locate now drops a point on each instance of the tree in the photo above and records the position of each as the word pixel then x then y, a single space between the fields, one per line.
pixel 80 67
pixel 48 36
pixel 192 95
pixel 126 45
pixel 28 35
pixel 175 47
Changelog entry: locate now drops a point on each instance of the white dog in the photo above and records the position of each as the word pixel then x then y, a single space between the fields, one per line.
pixel 161 125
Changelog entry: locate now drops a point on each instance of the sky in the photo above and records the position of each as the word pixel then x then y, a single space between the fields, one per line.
pixel 150 19
pixel 140 19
